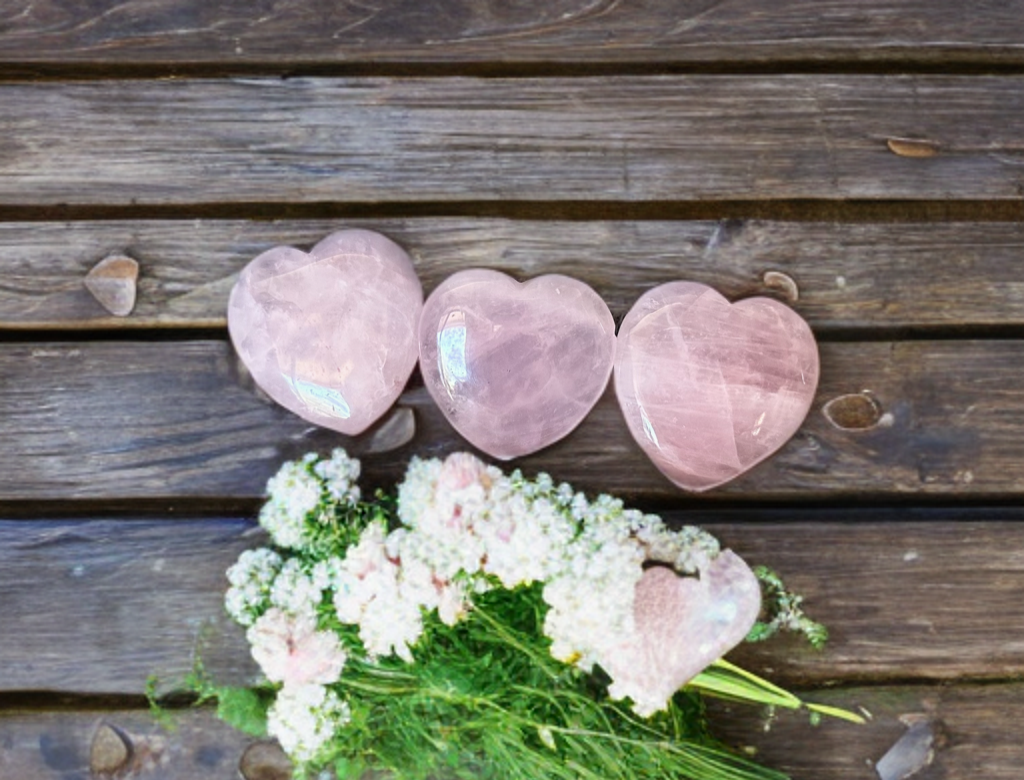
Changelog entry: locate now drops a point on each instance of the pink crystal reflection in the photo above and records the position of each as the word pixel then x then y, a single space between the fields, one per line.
pixel 710 389
pixel 330 335
pixel 515 367
pixel 683 624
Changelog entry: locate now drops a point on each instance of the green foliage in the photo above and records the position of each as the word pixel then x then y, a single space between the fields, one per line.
pixel 160 715
pixel 244 709
pixel 785 612
pixel 485 699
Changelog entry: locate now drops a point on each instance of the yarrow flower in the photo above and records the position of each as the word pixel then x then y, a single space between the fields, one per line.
pixel 304 718
pixel 292 652
pixel 251 578
pixel 340 473
pixel 293 493
pixel 355 588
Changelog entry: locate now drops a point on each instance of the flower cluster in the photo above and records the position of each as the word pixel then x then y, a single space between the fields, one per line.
pixel 465 528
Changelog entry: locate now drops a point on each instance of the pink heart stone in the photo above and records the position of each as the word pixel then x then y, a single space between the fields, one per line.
pixel 330 335
pixel 515 367
pixel 682 624
pixel 708 388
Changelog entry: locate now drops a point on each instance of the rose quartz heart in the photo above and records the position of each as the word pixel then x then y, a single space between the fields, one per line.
pixel 515 367
pixel 330 335
pixel 682 624
pixel 711 389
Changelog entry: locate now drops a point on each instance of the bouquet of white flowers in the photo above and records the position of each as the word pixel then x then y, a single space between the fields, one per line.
pixel 486 625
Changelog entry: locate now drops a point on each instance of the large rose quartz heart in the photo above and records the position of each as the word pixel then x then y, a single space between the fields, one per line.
pixel 330 335
pixel 682 624
pixel 711 389
pixel 515 367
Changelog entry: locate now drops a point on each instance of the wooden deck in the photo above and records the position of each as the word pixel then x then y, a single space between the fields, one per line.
pixel 872 152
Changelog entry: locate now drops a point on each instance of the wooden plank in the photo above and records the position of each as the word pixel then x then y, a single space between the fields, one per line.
pixel 849 276
pixel 560 32
pixel 936 601
pixel 57 745
pixel 126 420
pixel 975 732
pixel 974 729
pixel 466 140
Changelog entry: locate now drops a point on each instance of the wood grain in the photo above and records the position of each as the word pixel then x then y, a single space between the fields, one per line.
pixel 166 420
pixel 850 277
pixel 101 605
pixel 975 729
pixel 465 140
pixel 559 32
pixel 56 745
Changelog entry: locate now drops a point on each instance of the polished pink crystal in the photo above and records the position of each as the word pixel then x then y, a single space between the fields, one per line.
pixel 330 335
pixel 708 388
pixel 515 367
pixel 682 624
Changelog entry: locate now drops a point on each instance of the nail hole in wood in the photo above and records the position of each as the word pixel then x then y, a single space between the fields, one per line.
pixel 853 412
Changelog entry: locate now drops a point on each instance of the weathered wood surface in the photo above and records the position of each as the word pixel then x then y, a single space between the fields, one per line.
pixel 850 277
pixel 975 730
pixel 119 420
pixel 657 32
pixel 975 727
pixel 101 605
pixel 469 140
pixel 58 745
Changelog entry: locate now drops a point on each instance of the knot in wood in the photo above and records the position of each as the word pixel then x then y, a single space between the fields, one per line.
pixel 110 751
pixel 265 761
pixel 853 412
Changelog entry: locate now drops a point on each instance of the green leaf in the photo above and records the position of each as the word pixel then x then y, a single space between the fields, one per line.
pixel 728 681
pixel 243 709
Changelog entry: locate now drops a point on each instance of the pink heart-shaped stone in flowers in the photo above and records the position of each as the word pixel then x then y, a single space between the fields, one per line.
pixel 682 624
pixel 708 388
pixel 515 367
pixel 330 335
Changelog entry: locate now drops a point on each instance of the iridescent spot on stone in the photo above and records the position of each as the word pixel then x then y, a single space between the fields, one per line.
pixel 515 367
pixel 722 385
pixel 329 335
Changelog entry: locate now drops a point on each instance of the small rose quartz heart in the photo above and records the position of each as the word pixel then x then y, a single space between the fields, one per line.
pixel 682 624
pixel 711 389
pixel 330 335
pixel 515 367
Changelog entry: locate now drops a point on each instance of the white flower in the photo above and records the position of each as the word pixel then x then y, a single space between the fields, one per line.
pixel 524 541
pixel 440 503
pixel 303 718
pixel 340 473
pixel 591 601
pixel 294 591
pixel 364 570
pixel 291 651
pixel 391 625
pixel 251 577
pixel 293 494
